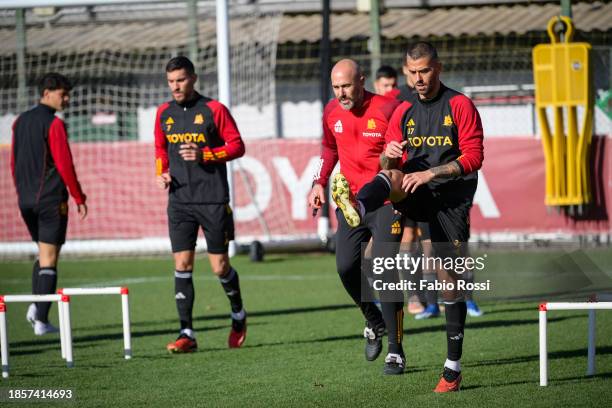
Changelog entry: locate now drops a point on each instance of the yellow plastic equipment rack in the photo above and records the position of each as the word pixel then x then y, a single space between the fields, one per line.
pixel 563 79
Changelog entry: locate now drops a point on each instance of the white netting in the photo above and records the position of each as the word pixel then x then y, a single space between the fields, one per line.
pixel 117 61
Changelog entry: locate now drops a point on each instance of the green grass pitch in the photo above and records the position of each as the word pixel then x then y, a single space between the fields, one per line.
pixel 304 345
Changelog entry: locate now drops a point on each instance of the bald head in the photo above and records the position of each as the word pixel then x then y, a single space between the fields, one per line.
pixel 348 83
pixel 346 68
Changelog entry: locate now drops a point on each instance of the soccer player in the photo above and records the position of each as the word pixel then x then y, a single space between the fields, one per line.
pixel 386 84
pixel 42 168
pixel 354 126
pixel 386 79
pixel 442 132
pixel 411 229
pixel 195 137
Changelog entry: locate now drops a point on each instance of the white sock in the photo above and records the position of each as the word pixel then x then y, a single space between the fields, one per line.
pixel 453 365
pixel 240 315
pixel 188 332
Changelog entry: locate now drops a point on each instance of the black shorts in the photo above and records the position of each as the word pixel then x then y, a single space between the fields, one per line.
pixel 409 222
pixel 216 220
pixel 383 226
pixel 442 214
pixel 47 222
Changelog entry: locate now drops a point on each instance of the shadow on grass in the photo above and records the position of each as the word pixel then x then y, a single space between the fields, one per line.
pixel 581 378
pixel 521 308
pixel 29 352
pixel 279 312
pixel 471 323
pixel 411 331
pixel 82 341
pixel 536 357
pixel 535 382
pixel 274 260
pixel 225 316
pixel 32 375
pixel 135 334
pixel 483 324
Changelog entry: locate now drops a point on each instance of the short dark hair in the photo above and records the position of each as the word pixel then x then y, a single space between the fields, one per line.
pixel 422 49
pixel 386 71
pixel 53 81
pixel 180 62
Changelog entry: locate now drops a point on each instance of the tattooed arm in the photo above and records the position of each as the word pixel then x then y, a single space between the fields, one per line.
pixel 412 181
pixel 449 170
pixel 387 163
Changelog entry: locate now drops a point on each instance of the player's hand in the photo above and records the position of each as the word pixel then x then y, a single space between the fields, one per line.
pixel 163 180
pixel 395 150
pixel 316 198
pixel 191 152
pixel 82 210
pixel 412 181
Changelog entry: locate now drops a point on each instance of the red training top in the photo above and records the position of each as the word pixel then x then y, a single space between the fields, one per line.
pixel 41 161
pixel 356 138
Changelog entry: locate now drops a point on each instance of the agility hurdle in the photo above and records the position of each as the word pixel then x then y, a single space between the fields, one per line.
pixel 125 309
pixel 63 307
pixel 591 307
